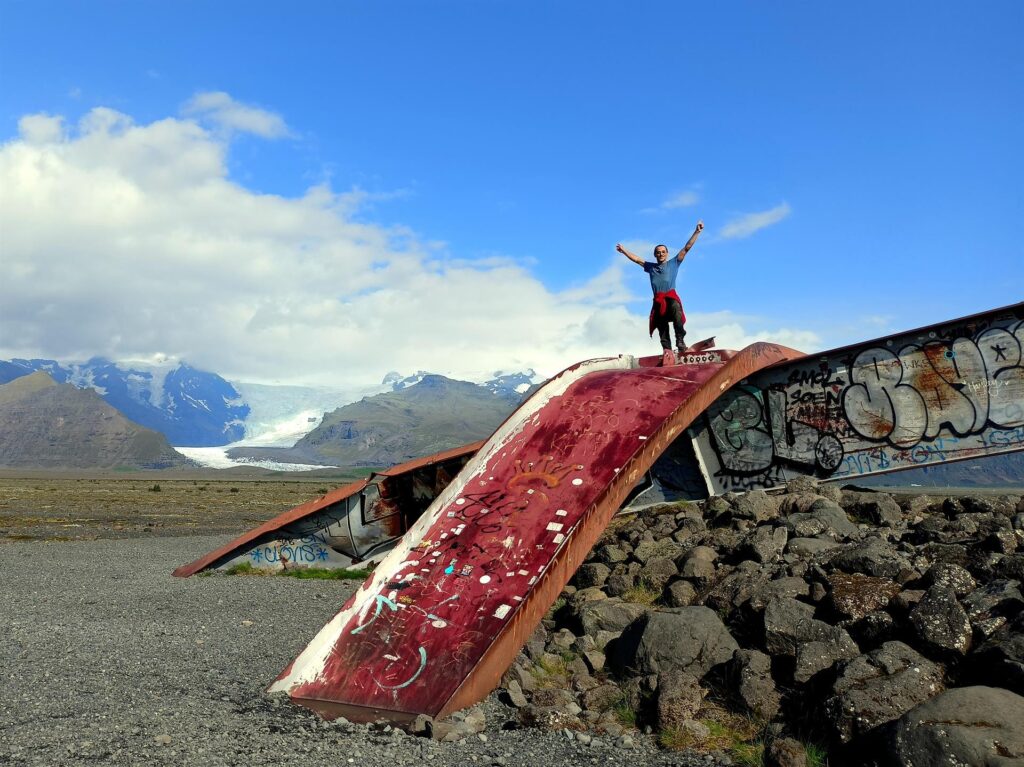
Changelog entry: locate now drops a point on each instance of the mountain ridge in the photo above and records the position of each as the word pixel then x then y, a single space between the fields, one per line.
pixel 45 424
pixel 433 414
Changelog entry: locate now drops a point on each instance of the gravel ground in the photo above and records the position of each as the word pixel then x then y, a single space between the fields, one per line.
pixel 105 658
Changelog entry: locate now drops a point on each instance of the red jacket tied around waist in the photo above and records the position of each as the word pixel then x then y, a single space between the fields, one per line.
pixel 660 308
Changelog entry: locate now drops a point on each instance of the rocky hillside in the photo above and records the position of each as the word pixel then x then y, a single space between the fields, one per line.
pixel 190 407
pixel 786 629
pixel 435 414
pixel 44 424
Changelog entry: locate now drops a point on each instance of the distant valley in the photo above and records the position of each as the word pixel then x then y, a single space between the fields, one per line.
pixel 276 426
pixel 433 414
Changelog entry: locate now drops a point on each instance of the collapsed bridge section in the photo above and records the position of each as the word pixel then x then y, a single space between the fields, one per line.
pixel 436 624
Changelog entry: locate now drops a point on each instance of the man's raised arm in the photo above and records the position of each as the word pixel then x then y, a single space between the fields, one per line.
pixel 689 243
pixel 631 256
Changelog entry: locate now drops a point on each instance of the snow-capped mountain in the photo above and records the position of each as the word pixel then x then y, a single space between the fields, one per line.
pixel 202 410
pixel 500 382
pixel 189 406
pixel 513 383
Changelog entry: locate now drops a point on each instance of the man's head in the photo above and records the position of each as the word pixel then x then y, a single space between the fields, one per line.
pixel 661 254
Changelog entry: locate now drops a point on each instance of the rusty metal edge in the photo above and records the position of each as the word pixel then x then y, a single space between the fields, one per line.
pixel 486 675
pixel 332 709
pixel 419 463
pixel 318 504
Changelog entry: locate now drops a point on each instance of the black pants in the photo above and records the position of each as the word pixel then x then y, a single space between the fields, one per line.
pixel 673 316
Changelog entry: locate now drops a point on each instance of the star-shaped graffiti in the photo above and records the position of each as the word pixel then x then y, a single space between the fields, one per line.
pixel 1000 351
pixel 256 555
pixel 322 554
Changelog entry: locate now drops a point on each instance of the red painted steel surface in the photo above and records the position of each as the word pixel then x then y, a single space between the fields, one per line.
pixel 242 542
pixel 442 616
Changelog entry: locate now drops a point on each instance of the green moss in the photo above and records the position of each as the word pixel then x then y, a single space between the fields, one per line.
pixel 302 573
pixel 325 574
pixel 243 568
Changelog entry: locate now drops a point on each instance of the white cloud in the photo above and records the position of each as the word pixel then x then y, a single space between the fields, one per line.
pixel 222 110
pixel 684 199
pixel 41 128
pixel 681 200
pixel 747 224
pixel 128 240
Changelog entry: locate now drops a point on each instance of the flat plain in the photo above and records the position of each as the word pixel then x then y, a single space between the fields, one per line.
pixel 59 507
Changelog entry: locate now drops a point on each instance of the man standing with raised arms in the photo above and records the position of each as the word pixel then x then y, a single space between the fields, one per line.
pixel 667 307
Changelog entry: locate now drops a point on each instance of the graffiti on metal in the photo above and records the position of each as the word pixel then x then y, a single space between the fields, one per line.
pixel 944 393
pixel 421 624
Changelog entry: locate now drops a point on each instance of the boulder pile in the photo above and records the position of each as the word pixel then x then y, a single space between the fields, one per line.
pixel 873 628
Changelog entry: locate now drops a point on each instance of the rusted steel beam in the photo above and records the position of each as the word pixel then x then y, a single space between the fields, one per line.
pixel 435 626
pixel 336 499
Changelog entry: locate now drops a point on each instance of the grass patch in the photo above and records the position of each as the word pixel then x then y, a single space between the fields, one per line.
pixel 243 568
pixel 624 712
pixel 739 736
pixel 552 672
pixel 816 755
pixel 302 573
pixel 325 574
pixel 676 739
pixel 642 593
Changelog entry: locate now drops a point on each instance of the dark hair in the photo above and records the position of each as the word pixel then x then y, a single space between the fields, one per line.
pixel 660 246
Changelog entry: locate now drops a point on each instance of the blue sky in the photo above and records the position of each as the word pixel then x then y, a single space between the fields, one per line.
pixel 877 144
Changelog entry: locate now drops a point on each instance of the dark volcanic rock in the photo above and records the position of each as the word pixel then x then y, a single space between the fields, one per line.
pixel 689 639
pixel 789 624
pixel 592 574
pixel 825 517
pixel 608 615
pixel 1000 662
pixel 873 557
pixel 963 726
pixel 680 594
pixel 785 752
pixel 878 508
pixel 756 505
pixel 991 606
pixel 754 686
pixel 679 698
pixel 878 687
pixel 951 576
pixel 767 543
pixel 855 595
pixel 658 572
pixel 941 624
